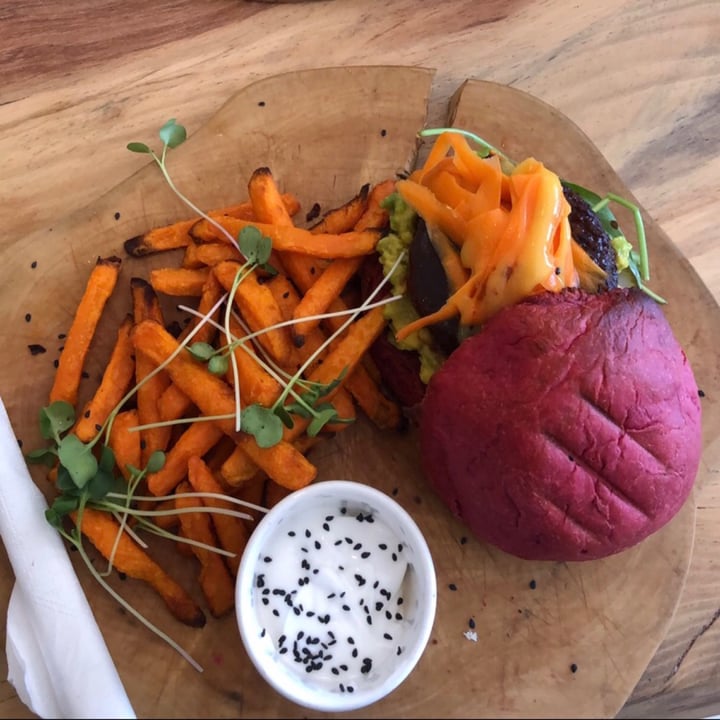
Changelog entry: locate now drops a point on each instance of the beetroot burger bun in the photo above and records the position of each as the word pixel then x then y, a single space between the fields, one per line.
pixel 567 429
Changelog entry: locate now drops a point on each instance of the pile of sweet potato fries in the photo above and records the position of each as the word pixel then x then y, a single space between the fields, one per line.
pixel 315 267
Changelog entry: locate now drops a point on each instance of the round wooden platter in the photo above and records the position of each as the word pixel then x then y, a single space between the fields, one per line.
pixel 553 639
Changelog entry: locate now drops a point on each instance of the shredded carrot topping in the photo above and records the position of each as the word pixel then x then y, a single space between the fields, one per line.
pixel 500 237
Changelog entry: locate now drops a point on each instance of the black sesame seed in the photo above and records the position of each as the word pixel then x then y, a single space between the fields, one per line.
pixel 262 633
pixel 291 533
pixel 307 533
pixel 360 579
pixel 282 639
pixel 369 619
pixel 388 615
pixel 399 650
pixel 117 215
pixel 337 542
pixel 394 557
pixel 701 393
pixel 573 668
pixel 452 587
pixel 261 103
pixel 260 580
pixel 350 688
pixel 351 640
pixel 326 527
pixel 98 428
pixel 33 264
pixel 383 132
pixel 532 584
pixel 357 546
pixel 267 559
pixel 28 317
pixel 398 616
pixel 282 651
pixel 86 414
pixel 85 374
pixel 379 606
pixel 354 652
pixel 334 671
pixel 400 600
pixel 317 545
pixel 343 511
pixel 471 623
pixel 387 636
pixel 265 601
pixel 382 546
pixel 36 349
pixel 463 540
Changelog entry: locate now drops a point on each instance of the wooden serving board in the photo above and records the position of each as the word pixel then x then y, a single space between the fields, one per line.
pixel 554 639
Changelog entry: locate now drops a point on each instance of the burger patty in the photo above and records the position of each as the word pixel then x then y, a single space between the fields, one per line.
pixel 588 232
pixel 568 429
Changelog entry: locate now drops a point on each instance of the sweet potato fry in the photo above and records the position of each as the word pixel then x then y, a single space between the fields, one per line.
pixel 146 306
pixel 231 531
pixel 198 255
pixel 256 385
pixel 375 216
pixel 102 529
pixel 294 239
pixel 177 235
pixel 265 198
pixel 344 218
pixel 173 403
pixel 117 377
pixel 320 295
pixel 179 281
pixel 238 468
pixel 125 443
pixel 212 291
pixel 216 582
pixel 258 307
pixel 99 287
pixel 351 347
pixel 214 397
pixel 198 438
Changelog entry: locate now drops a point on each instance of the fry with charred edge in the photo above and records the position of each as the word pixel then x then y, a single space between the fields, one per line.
pixel 266 200
pixel 259 309
pixel 197 439
pixel 116 379
pixel 214 397
pixel 179 281
pixel 102 530
pixel 293 239
pixel 344 218
pixel 98 290
pixel 375 215
pixel 146 306
pixel 216 582
pixel 177 235
pixel 230 530
pixel 124 443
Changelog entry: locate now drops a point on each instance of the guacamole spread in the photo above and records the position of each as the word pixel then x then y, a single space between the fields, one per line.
pixel 400 313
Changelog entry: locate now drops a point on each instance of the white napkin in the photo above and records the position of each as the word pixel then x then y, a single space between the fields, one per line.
pixel 57 659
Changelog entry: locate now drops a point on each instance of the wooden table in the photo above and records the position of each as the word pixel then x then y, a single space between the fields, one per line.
pixel 641 78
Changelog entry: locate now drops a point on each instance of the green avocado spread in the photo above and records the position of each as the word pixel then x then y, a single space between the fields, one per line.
pixel 401 312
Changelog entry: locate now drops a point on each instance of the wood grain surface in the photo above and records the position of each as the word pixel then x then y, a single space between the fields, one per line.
pixel 642 79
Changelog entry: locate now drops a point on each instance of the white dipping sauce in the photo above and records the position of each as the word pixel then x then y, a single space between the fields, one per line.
pixel 330 594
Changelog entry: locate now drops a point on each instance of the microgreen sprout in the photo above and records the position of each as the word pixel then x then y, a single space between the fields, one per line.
pixel 172 136
pixel 637 262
